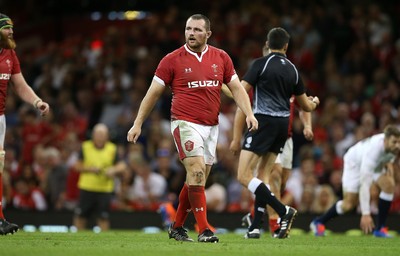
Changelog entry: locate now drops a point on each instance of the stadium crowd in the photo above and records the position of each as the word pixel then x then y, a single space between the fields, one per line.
pixel 348 54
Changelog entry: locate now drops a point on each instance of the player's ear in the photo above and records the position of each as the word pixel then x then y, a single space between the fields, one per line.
pixel 209 34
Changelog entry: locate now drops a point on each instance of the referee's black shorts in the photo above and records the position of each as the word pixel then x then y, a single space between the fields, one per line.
pixel 93 203
pixel 270 137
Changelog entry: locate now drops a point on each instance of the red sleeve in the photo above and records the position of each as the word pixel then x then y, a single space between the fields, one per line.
pixel 229 68
pixel 16 68
pixel 164 70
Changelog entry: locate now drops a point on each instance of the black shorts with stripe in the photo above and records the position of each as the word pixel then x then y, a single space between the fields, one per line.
pixel 270 137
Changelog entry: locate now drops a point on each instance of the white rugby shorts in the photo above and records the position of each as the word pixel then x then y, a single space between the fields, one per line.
pixel 286 157
pixel 195 140
pixel 2 130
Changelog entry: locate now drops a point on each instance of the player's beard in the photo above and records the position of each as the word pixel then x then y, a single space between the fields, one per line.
pixel 195 46
pixel 7 43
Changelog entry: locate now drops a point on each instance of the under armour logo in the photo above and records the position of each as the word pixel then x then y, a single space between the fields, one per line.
pixel 188 70
pixel 199 209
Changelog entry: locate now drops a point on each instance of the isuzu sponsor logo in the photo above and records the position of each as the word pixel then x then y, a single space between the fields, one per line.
pixel 208 83
pixel 5 76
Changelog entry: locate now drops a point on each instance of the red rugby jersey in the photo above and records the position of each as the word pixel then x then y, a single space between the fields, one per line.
pixel 9 65
pixel 195 80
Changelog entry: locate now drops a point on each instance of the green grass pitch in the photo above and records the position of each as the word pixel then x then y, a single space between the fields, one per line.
pixel 138 243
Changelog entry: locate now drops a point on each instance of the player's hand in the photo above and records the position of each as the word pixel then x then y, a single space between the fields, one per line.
pixel 235 147
pixel 367 224
pixel 308 133
pixel 43 107
pixel 314 99
pixel 252 123
pixel 134 133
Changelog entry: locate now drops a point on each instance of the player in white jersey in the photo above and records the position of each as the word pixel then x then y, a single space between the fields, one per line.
pixel 367 162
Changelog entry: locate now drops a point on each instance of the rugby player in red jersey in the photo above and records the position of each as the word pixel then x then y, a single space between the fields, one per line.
pixel 10 74
pixel 195 73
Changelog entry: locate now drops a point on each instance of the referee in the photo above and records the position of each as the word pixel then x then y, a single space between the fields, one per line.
pixel 274 80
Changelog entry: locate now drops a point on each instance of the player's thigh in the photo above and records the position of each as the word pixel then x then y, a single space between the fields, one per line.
pixel 192 140
pixel 188 141
pixel 350 201
pixel 386 182
pixel 285 176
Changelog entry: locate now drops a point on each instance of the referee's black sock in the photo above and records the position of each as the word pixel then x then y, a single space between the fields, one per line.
pixel 267 197
pixel 259 211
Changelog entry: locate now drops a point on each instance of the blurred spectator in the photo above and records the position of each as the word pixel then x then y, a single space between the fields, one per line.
pixel 148 189
pixel 98 164
pixel 302 177
pixel 112 109
pixel 34 132
pixel 216 195
pixel 167 164
pixel 28 197
pixel 324 198
pixel 307 199
pixel 56 176
pixel 72 121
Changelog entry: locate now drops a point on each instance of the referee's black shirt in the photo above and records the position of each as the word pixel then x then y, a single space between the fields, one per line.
pixel 275 79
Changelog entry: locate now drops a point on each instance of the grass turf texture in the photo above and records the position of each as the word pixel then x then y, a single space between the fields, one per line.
pixel 114 243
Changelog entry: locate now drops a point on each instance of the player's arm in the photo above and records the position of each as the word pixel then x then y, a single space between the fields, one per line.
pixel 25 92
pixel 226 91
pixel 238 126
pixel 366 179
pixel 146 106
pixel 307 103
pixel 366 222
pixel 239 92
pixel 368 164
pixel 305 118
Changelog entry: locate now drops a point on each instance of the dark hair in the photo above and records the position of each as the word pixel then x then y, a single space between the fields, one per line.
pixel 391 130
pixel 278 38
pixel 202 17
